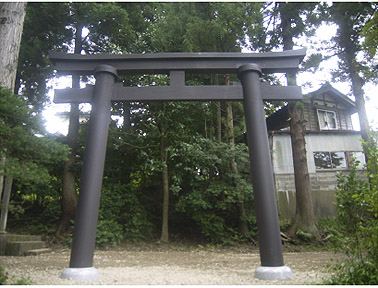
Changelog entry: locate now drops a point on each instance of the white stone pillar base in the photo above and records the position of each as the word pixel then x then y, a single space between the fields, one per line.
pixel 273 273
pixel 81 274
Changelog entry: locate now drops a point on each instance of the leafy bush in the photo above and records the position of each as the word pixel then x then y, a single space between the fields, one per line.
pixel 23 281
pixel 209 192
pixel 5 280
pixel 109 232
pixel 27 155
pixel 3 276
pixel 122 214
pixel 357 222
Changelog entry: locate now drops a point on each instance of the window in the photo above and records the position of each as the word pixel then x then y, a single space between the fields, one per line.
pixel 327 120
pixel 330 160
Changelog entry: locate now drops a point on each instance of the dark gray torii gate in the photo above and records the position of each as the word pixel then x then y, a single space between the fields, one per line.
pixel 248 67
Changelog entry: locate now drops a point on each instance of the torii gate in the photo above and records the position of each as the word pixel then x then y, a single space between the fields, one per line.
pixel 248 67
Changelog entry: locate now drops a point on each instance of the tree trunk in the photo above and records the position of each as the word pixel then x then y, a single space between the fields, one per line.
pixel 165 214
pixel 304 216
pixel 243 225
pixel 361 109
pixel 358 92
pixel 219 121
pixel 69 194
pixel 350 48
pixel 5 204
pixel 360 103
pixel 12 15
pixel 126 115
pixel 2 163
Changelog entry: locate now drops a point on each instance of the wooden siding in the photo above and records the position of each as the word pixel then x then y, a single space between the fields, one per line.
pixel 325 102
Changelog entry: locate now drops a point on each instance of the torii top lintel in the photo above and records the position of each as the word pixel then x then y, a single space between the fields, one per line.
pixel 201 62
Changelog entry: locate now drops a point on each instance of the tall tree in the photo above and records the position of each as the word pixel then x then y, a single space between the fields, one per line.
pixel 12 20
pixel 161 127
pixel 25 152
pixel 304 216
pixel 12 15
pixel 111 30
pixel 243 225
pixel 351 18
pixel 29 150
pixel 45 29
pixel 69 194
pixel 291 20
pixel 208 27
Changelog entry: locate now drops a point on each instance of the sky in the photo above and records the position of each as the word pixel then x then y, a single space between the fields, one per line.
pixel 55 124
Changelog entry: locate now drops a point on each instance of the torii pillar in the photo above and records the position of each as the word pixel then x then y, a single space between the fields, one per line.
pixel 84 240
pixel 268 226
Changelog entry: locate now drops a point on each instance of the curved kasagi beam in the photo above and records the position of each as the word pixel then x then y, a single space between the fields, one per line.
pixel 201 62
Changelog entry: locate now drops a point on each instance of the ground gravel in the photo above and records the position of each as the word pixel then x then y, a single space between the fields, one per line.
pixel 190 266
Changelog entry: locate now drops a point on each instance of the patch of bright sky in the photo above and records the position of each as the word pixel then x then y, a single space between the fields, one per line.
pixel 55 123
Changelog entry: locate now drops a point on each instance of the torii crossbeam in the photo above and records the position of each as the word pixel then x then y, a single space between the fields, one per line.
pixel 248 67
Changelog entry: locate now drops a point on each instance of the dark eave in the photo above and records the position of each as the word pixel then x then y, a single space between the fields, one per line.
pixel 334 93
pixel 204 62
pixel 280 119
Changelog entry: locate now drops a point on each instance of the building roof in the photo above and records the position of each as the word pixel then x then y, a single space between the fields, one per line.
pixel 280 119
pixel 334 93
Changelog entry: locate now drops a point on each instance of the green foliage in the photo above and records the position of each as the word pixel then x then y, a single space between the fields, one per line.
pixel 303 236
pixel 370 33
pixel 41 206
pixel 22 141
pixel 121 215
pixel 351 18
pixel 3 276
pixel 328 229
pixel 31 157
pixel 301 17
pixel 109 232
pixel 357 224
pixel 46 27
pixel 208 194
pixel 313 62
pixel 6 280
pixel 206 26
pixel 113 28
pixel 23 281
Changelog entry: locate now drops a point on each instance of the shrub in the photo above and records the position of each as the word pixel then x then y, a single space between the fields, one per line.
pixel 5 280
pixel 3 276
pixel 24 281
pixel 109 232
pixel 209 191
pixel 120 207
pixel 357 221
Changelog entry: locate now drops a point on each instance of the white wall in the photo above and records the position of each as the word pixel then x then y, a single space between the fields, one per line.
pixel 315 142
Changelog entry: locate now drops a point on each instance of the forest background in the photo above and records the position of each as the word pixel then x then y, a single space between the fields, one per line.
pixel 169 164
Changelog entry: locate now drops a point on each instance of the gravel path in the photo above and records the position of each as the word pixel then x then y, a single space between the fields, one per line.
pixel 148 267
